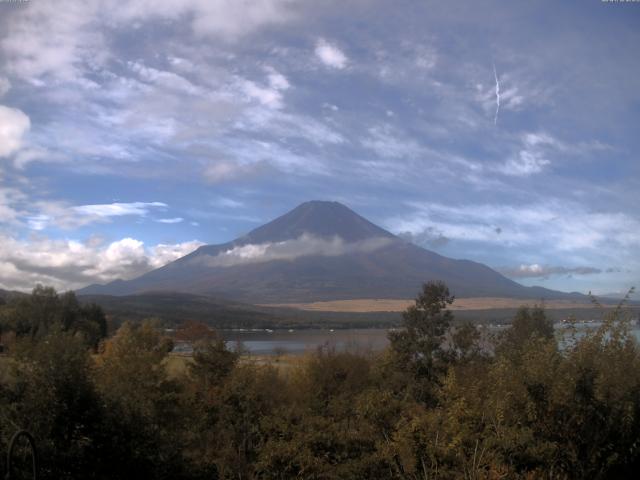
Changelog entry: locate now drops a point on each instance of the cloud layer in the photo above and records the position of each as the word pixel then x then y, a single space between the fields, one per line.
pixel 303 246
pixel 13 126
pixel 544 271
pixel 68 264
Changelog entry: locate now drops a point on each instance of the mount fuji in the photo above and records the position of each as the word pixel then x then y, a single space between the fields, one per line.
pixel 320 251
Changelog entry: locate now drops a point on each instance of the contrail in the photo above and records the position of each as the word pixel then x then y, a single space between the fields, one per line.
pixel 495 74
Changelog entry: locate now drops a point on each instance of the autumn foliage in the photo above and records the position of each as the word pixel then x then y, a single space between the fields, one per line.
pixel 444 401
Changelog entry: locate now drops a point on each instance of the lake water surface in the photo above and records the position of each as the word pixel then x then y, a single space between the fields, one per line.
pixel 272 342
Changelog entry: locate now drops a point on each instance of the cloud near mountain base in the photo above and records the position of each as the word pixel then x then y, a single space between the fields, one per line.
pixel 69 264
pixel 544 271
pixel 305 245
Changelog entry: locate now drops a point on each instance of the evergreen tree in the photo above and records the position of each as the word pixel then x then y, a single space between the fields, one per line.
pixel 419 348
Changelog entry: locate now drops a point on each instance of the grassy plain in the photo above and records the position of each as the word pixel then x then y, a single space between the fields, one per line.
pixel 366 305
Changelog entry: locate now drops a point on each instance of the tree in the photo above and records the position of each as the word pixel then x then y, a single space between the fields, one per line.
pixel 51 394
pixel 31 316
pixel 212 361
pixel 324 430
pixel 35 315
pixel 419 348
pixel 466 342
pixel 93 324
pixel 527 324
pixel 192 332
pixel 143 405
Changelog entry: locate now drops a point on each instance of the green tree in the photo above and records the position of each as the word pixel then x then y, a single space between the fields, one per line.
pixel 465 342
pixel 33 316
pixel 212 361
pixel 51 394
pixel 419 348
pixel 324 430
pixel 145 411
pixel 528 323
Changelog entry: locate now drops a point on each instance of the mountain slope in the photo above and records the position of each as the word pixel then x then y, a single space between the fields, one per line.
pixel 6 295
pixel 175 308
pixel 319 251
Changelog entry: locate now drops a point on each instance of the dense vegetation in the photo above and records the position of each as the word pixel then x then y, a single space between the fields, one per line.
pixel 440 403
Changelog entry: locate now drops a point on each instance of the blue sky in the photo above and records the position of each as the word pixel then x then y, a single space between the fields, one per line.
pixel 133 131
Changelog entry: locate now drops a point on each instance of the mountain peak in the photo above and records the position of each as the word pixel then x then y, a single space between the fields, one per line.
pixel 319 218
pixel 322 205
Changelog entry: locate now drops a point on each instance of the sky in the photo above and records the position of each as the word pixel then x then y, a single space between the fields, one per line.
pixel 132 132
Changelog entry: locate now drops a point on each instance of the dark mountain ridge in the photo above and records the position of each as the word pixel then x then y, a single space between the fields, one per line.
pixel 320 251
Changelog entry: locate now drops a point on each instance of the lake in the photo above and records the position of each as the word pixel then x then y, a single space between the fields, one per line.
pixel 272 342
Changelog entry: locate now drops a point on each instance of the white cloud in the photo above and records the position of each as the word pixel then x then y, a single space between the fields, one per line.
pixel 405 63
pixel 271 95
pixel 534 152
pixel 225 171
pixel 7 213
pixel 276 79
pixel 167 80
pixel 525 163
pixel 429 237
pixel 66 39
pixel 39 222
pixel 532 156
pixel 226 19
pixel 64 216
pixel 13 125
pixel 222 171
pixel 567 227
pixel 164 253
pixel 267 96
pixel 231 19
pixel 228 202
pixel 157 108
pixel 255 158
pixel 426 57
pixel 9 200
pixel 535 270
pixel 28 154
pixel 281 124
pixel 540 138
pixel 391 143
pixel 69 264
pixel 118 209
pixel 170 220
pixel 399 154
pixel 45 213
pixel 57 39
pixel 330 55
pixel 305 245
pixel 126 256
